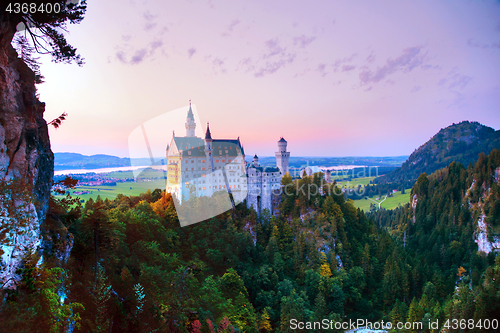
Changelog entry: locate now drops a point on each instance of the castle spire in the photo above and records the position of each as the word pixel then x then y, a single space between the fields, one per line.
pixel 190 124
pixel 208 136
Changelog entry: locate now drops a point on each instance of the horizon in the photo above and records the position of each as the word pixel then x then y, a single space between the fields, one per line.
pixel 341 78
pixel 264 156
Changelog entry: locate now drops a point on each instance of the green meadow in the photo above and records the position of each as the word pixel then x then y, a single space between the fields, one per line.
pixel 148 173
pixel 355 182
pixel 110 192
pixel 390 203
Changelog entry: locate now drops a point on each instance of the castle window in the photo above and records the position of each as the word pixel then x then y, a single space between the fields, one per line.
pixel 202 161
pixel 223 161
pixel 192 169
pixel 186 169
pixel 204 188
pixel 216 161
pixel 192 161
pixel 189 151
pixel 203 168
pixel 203 174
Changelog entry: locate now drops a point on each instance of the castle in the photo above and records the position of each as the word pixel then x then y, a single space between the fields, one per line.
pixel 204 166
pixel 264 183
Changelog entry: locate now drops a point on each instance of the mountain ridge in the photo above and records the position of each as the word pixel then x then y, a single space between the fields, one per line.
pixel 460 143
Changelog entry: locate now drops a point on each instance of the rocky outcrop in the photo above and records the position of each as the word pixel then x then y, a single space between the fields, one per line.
pixel 484 243
pixel 25 157
pixel 414 201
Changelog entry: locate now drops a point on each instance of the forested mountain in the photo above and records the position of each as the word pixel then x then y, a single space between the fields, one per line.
pixel 460 143
pixel 454 212
pixel 134 269
pixel 78 161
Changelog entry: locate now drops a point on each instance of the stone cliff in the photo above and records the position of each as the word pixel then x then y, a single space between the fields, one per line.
pixel 25 157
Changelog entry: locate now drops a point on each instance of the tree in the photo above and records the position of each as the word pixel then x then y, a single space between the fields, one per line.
pixel 96 222
pixel 46 28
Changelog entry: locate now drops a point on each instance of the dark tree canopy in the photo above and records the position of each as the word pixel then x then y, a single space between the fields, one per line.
pixel 45 29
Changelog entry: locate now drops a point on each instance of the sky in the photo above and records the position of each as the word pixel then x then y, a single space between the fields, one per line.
pixel 334 78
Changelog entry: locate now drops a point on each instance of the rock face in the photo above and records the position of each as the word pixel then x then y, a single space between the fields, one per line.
pixel 25 156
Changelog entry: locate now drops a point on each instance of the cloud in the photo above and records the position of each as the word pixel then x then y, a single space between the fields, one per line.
pixel 150 24
pixel 270 68
pixel 322 69
pixel 273 48
pixel 370 58
pixel 275 57
pixel 138 56
pixel 411 58
pixel 431 67
pixel 148 16
pixel 454 81
pixel 128 55
pixel 247 64
pixel 348 68
pixel 303 41
pixel 338 62
pixel 415 89
pixel 218 65
pixel 474 43
pixel 230 28
pixel 233 24
pixel 191 51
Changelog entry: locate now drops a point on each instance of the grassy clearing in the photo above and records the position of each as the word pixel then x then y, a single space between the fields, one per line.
pixel 355 182
pixel 390 203
pixel 148 173
pixel 110 192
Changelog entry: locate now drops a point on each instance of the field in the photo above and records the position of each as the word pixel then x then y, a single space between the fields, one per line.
pixel 110 192
pixel 390 203
pixel 355 182
pixel 148 173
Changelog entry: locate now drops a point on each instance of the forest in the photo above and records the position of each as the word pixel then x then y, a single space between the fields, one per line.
pixel 133 268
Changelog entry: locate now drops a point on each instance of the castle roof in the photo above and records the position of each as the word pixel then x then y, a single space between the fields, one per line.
pixel 282 140
pixel 208 136
pixel 193 144
pixel 220 148
pixel 190 113
pixel 263 169
pixel 233 147
pixel 255 156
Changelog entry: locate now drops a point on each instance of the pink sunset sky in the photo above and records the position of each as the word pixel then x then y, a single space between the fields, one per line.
pixel 335 78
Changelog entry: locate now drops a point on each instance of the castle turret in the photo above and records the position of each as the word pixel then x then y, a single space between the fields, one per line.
pixel 190 124
pixel 255 161
pixel 282 156
pixel 328 177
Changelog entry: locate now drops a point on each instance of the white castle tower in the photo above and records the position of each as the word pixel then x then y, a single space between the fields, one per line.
pixel 282 156
pixel 190 124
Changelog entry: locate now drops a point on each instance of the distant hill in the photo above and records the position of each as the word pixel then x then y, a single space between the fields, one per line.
pixel 78 161
pixel 459 142
pixel 68 161
pixel 299 162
